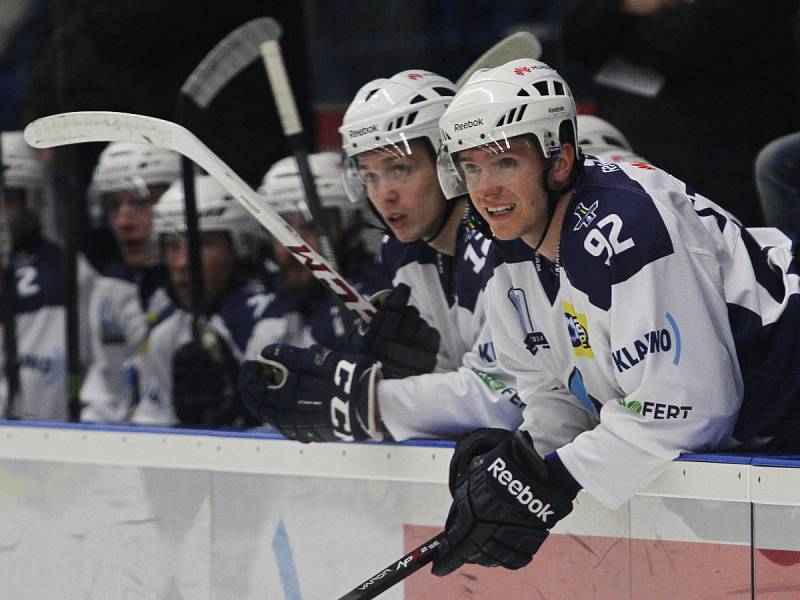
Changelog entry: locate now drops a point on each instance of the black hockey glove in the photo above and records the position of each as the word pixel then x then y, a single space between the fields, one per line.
pixel 204 376
pixel 397 336
pixel 504 502
pixel 313 394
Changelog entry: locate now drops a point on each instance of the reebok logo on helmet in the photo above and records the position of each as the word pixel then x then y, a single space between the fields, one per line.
pixel 524 495
pixel 362 131
pixel 467 124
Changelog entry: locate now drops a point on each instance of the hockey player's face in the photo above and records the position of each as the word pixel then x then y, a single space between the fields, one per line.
pixel 297 280
pixel 506 186
pixel 219 265
pixel 404 189
pixel 130 214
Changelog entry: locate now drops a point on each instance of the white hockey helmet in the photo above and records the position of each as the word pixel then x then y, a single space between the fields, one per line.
pixel 283 188
pixel 22 167
pixel 135 167
pixel 387 114
pixel 217 210
pixel 524 96
pixel 596 135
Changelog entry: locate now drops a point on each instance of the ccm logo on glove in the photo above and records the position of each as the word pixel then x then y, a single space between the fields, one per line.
pixel 523 494
pixel 340 409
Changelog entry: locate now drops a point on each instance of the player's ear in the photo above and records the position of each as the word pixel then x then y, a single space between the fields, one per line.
pixel 560 171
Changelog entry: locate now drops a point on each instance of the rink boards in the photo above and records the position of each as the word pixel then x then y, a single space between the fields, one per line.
pixel 120 513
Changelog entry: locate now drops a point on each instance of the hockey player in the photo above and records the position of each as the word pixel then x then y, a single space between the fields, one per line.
pixel 651 304
pixel 39 303
pixel 601 139
pixel 390 135
pixel 127 182
pixel 283 189
pixel 193 382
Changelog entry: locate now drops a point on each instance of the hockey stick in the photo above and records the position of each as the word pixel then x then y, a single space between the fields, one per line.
pixel 100 126
pixel 293 131
pixel 397 571
pixel 522 44
pixel 65 182
pixel 225 60
pixel 8 298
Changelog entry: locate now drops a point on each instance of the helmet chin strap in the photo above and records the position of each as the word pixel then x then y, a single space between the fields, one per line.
pixel 449 206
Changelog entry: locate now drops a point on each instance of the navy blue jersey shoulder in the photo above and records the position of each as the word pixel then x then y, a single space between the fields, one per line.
pixel 460 276
pixel 612 229
pixel 366 274
pixel 472 252
pixel 396 254
pixel 39 276
pixel 243 306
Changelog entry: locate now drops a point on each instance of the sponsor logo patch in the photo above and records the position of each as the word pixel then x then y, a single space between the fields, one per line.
pixel 665 340
pixel 657 411
pixel 578 331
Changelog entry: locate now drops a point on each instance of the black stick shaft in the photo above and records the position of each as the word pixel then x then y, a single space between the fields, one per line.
pixel 8 298
pixel 396 571
pixel 67 187
pixel 193 241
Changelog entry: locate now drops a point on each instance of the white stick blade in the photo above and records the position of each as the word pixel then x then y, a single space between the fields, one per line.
pixel 99 126
pixel 522 44
pixel 232 54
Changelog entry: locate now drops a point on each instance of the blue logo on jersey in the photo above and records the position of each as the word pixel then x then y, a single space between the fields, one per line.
pixel 487 353
pixel 651 342
pixel 585 215
pixel 533 339
pixel 578 389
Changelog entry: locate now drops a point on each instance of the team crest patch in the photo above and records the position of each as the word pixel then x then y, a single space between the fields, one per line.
pixel 585 214
pixel 534 340
pixel 578 331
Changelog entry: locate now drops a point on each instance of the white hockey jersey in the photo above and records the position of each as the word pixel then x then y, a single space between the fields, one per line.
pixel 125 304
pixel 247 318
pixel 467 389
pixel 40 324
pixel 663 315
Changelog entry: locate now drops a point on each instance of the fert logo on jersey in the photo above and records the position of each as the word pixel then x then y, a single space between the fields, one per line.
pixel 663 340
pixel 578 331
pixel 533 339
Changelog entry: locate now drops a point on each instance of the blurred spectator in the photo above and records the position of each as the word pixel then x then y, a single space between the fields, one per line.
pixel 777 171
pixel 39 305
pixel 126 301
pixel 190 377
pixel 698 86
pixel 284 191
pixel 20 42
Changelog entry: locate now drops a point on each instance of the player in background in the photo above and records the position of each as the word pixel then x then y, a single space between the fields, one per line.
pixel 193 382
pixel 651 304
pixel 283 189
pixel 38 274
pixel 390 136
pixel 601 139
pixel 126 185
